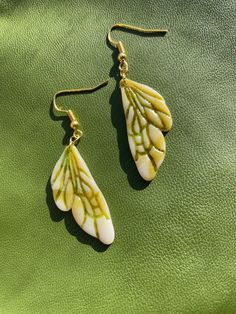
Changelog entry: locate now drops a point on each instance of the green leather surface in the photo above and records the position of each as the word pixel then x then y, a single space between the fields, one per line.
pixel 175 238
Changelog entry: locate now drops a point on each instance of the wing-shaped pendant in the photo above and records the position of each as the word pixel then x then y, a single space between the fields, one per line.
pixel 147 116
pixel 74 188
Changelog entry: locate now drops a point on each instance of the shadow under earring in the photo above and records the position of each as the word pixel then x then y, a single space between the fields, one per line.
pixel 74 187
pixel 146 113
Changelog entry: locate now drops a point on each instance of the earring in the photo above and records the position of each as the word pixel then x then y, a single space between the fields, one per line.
pixel 74 187
pixel 146 113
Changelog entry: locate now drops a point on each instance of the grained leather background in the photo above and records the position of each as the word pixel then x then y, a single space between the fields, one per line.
pixel 175 238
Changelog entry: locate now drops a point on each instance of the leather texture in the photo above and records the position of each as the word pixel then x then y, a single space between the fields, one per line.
pixel 174 250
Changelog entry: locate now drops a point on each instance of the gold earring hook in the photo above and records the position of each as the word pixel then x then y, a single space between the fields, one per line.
pixel 74 91
pixel 123 67
pixel 133 28
pixel 74 122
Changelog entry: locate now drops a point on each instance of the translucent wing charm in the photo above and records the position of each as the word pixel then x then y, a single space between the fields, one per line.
pixel 74 188
pixel 147 116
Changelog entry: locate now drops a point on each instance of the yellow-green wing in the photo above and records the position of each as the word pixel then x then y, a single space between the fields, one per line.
pixel 74 188
pixel 147 116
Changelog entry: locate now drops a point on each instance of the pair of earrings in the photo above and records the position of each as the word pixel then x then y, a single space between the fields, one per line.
pixel 147 116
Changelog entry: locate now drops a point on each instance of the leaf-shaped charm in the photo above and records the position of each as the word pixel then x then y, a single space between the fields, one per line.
pixel 74 188
pixel 147 116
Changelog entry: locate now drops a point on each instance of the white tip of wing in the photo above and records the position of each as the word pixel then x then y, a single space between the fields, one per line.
pixel 145 167
pixel 105 230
